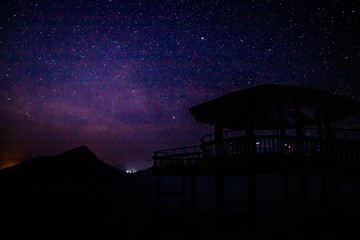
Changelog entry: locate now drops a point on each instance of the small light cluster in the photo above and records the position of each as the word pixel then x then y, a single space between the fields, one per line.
pixel 130 171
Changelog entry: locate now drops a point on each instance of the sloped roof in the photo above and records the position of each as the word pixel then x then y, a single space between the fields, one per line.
pixel 271 106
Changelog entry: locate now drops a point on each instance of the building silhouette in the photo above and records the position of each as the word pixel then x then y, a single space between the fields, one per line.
pixel 263 130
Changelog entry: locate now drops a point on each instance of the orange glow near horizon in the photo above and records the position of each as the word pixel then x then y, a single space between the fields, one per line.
pixel 9 160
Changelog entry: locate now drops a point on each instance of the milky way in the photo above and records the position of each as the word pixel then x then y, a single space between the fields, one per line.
pixel 119 76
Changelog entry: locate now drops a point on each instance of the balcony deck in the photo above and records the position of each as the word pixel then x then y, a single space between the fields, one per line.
pixel 267 154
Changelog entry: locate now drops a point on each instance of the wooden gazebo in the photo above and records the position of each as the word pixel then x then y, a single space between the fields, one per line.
pixel 267 136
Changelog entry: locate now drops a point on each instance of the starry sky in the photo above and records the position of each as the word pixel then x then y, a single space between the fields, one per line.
pixel 119 76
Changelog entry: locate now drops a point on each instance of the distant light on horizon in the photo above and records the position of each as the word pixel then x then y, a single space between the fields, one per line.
pixel 130 171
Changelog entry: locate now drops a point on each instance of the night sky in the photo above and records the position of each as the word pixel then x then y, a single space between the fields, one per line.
pixel 119 76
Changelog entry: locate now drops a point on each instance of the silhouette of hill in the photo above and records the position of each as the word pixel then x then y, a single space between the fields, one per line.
pixel 71 189
pixel 78 161
pixel 75 170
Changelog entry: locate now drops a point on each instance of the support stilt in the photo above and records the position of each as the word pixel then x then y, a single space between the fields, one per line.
pixel 158 192
pixel 304 195
pixel 219 202
pixel 183 201
pixel 335 197
pixel 192 200
pixel 252 198
pixel 287 198
pixel 324 193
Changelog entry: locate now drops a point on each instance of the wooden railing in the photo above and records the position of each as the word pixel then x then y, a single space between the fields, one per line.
pixel 341 152
pixel 246 146
pixel 334 151
pixel 287 145
pixel 226 134
pixel 186 156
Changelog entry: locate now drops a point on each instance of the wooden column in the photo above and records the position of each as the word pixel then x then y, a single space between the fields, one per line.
pixel 250 132
pixel 320 135
pixel 327 123
pixel 319 123
pixel 333 182
pixel 219 179
pixel 282 141
pixel 218 133
pixel 252 198
pixel 298 127
pixel 287 198
pixel 218 129
pixel 328 136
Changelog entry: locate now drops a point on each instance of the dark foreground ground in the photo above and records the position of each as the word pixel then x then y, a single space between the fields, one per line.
pixel 324 228
pixel 77 196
